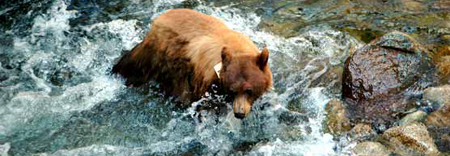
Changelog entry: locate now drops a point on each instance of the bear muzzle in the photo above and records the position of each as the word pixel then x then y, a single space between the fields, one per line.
pixel 241 106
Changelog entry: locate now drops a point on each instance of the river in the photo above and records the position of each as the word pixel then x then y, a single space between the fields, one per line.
pixel 57 96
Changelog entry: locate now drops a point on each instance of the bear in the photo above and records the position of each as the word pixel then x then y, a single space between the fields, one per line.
pixel 187 52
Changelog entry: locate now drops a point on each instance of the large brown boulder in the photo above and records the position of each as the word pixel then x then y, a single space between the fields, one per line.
pixel 381 79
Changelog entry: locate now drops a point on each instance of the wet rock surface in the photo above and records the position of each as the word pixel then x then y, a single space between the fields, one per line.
pixel 412 139
pixel 382 79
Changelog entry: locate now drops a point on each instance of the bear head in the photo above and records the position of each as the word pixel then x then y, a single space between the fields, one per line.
pixel 245 77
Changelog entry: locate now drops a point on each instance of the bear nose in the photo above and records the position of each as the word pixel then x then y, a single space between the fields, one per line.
pixel 239 115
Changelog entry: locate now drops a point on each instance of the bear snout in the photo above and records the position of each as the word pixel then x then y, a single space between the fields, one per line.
pixel 239 115
pixel 241 106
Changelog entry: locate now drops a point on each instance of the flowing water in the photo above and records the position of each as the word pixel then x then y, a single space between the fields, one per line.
pixel 58 98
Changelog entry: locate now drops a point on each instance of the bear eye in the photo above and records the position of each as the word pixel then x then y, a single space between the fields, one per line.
pixel 233 90
pixel 248 92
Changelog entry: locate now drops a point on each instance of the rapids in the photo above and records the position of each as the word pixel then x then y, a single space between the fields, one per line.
pixel 57 96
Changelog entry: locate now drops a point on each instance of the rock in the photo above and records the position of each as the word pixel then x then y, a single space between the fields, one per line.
pixel 418 116
pixel 442 59
pixel 441 5
pixel 362 132
pixel 380 78
pixel 437 95
pixel 364 34
pixel 444 65
pixel 440 118
pixel 414 5
pixel 337 123
pixel 370 148
pixel 438 122
pixel 286 29
pixel 441 136
pixel 410 140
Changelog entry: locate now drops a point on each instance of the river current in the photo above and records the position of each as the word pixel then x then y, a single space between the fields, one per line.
pixel 57 96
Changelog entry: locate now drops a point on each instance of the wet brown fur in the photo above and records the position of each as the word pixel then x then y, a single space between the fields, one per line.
pixel 181 50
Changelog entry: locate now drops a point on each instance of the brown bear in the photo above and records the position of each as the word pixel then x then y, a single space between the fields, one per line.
pixel 187 52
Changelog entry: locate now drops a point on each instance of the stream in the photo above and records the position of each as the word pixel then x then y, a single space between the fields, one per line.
pixel 57 96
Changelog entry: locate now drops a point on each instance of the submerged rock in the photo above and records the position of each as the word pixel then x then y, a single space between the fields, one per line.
pixel 381 79
pixel 337 122
pixel 410 140
pixel 370 148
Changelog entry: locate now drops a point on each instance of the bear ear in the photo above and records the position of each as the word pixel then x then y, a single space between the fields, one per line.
pixel 263 58
pixel 226 56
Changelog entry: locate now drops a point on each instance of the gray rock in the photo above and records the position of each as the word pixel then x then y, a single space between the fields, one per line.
pixel 412 139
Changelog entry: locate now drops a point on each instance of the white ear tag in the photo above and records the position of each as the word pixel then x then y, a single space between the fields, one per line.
pixel 217 68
